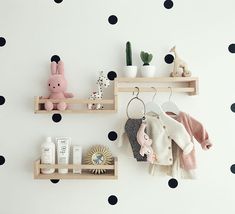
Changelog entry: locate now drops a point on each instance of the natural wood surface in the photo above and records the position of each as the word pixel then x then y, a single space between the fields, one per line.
pixel 110 174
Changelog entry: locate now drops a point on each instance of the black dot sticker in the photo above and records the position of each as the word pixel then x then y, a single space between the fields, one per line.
pixel 2 100
pixel 112 75
pixel 172 183
pixel 54 181
pixel 232 168
pixel 55 58
pixel 112 199
pixel 56 118
pixel 168 4
pixel 2 41
pixel 58 1
pixel 232 107
pixel 169 58
pixel 112 135
pixel 113 20
pixel 2 160
pixel 231 48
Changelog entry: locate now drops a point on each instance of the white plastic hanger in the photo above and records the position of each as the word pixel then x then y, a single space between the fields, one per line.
pixel 153 106
pixel 170 106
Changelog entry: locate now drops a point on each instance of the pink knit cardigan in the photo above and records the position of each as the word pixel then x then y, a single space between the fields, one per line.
pixel 197 131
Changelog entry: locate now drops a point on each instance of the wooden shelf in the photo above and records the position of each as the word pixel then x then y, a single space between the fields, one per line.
pixel 177 84
pixel 39 105
pixel 188 85
pixel 111 172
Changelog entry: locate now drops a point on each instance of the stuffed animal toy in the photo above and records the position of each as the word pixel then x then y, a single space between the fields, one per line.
pixel 102 82
pixel 57 85
pixel 180 67
pixel 145 143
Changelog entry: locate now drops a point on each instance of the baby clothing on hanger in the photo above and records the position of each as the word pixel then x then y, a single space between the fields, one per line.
pixel 162 129
pixel 184 166
pixel 130 130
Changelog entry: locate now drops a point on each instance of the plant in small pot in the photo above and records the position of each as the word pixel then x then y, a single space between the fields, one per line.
pixel 147 70
pixel 129 70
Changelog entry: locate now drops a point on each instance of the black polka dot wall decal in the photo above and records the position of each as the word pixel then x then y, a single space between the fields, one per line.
pixel 172 183
pixel 112 135
pixel 231 48
pixel 2 100
pixel 2 41
pixel 113 19
pixel 55 58
pixel 112 199
pixel 168 4
pixel 232 107
pixel 54 181
pixel 56 118
pixel 169 58
pixel 232 168
pixel 112 75
pixel 58 1
pixel 2 160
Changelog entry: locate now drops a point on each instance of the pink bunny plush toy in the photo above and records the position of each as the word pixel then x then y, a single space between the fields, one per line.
pixel 57 85
pixel 145 143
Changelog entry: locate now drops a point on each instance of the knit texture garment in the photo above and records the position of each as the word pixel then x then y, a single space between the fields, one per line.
pixel 131 128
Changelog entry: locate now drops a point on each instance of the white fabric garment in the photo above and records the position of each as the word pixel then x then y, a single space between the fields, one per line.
pixel 162 129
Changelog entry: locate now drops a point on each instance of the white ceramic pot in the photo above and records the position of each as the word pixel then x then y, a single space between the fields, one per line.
pixel 130 71
pixel 148 71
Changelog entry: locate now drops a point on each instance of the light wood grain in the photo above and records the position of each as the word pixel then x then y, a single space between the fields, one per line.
pixel 156 79
pixel 110 174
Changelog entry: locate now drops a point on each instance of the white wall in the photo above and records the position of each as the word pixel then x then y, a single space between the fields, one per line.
pixel 78 31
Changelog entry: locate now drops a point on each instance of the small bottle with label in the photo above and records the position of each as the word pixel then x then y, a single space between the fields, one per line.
pixel 48 155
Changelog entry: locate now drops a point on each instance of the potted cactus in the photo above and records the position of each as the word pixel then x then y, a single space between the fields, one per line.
pixel 129 70
pixel 147 70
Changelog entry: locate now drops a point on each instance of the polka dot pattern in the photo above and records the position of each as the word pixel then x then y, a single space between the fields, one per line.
pixel 232 168
pixel 55 58
pixel 172 183
pixel 169 58
pixel 56 118
pixel 2 160
pixel 113 19
pixel 233 107
pixel 168 4
pixel 112 75
pixel 54 181
pixel 2 41
pixel 58 1
pixel 231 48
pixel 112 135
pixel 2 100
pixel 112 199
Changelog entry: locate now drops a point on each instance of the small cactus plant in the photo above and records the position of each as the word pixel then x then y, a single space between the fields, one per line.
pixel 128 54
pixel 146 57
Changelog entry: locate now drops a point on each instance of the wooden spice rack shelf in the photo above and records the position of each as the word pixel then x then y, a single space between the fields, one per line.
pixel 111 173
pixel 39 105
pixel 161 84
pixel 188 85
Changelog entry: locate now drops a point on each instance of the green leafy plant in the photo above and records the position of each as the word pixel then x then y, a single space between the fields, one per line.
pixel 146 57
pixel 128 54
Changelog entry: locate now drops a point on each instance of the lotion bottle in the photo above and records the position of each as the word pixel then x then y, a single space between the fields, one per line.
pixel 48 155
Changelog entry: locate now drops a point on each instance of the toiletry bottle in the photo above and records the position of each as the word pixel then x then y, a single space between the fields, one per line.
pixel 77 157
pixel 48 155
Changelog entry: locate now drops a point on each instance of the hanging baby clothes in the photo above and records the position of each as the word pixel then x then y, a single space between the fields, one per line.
pixel 196 130
pixel 162 129
pixel 131 128
pixel 184 165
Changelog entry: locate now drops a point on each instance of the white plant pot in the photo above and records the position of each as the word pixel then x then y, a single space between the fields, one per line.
pixel 148 71
pixel 130 71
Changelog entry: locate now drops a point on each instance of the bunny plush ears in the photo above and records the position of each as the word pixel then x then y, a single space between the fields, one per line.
pixel 57 68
